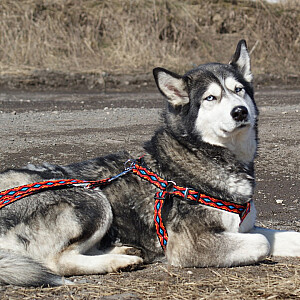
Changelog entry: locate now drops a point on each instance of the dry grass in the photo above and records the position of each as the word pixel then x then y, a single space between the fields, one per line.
pixel 132 36
pixel 266 281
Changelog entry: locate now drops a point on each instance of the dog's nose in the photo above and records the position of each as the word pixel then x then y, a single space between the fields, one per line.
pixel 240 113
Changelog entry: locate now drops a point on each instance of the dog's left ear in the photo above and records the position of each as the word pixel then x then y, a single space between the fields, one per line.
pixel 172 86
pixel 241 60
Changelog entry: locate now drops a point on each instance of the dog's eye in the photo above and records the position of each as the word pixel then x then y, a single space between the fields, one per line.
pixel 210 98
pixel 238 89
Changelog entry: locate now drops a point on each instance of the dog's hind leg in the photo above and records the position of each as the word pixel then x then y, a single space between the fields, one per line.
pixel 74 263
pixel 283 243
pixel 114 250
pixel 82 257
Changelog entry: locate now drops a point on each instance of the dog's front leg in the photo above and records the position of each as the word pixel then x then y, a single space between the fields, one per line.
pixel 224 249
pixel 283 243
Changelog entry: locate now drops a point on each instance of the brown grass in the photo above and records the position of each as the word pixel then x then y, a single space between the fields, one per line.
pixel 270 280
pixel 134 36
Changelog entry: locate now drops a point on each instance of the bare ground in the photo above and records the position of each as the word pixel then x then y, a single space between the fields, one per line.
pixel 65 127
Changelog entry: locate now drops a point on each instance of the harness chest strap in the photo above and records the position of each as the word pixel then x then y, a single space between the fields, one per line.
pixel 185 194
pixel 13 194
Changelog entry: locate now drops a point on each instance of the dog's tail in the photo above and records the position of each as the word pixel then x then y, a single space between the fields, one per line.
pixel 20 270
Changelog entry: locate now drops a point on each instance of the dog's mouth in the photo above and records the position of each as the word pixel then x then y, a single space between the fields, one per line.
pixel 242 125
pixel 238 127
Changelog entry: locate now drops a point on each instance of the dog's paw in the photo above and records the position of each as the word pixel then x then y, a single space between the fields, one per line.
pixel 124 262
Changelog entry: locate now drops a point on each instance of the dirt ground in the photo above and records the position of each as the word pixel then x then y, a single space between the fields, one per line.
pixel 64 127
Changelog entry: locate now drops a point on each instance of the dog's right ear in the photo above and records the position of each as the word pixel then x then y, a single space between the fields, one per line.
pixel 241 60
pixel 172 86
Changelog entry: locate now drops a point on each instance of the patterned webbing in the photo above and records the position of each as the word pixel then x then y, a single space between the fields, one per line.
pixel 17 193
pixel 186 194
pixel 13 194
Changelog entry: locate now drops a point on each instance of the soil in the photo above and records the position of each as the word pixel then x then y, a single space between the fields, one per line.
pixel 64 127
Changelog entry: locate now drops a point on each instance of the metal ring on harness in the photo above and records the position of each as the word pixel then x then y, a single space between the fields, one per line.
pixel 170 186
pixel 131 161
pixel 186 192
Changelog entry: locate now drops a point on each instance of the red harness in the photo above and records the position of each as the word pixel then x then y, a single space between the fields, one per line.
pixel 167 189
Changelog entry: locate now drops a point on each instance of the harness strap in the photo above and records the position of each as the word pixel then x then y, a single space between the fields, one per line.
pixel 161 230
pixel 184 193
pixel 137 167
pixel 187 193
pixel 11 195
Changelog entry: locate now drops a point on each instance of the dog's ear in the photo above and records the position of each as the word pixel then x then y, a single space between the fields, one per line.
pixel 172 86
pixel 241 60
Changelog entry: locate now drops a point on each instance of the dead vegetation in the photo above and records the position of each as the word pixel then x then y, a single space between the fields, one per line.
pixel 269 280
pixel 133 36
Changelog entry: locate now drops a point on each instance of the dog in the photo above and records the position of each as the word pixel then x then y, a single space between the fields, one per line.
pixel 207 143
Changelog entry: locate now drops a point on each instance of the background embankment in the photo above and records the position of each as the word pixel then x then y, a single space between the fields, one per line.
pixel 92 44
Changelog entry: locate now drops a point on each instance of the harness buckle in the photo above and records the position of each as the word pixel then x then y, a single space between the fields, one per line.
pixel 186 193
pixel 129 164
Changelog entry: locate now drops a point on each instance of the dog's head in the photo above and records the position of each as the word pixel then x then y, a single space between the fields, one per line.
pixel 213 103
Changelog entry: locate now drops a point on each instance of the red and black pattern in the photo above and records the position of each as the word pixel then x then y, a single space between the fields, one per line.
pixel 184 193
pixel 138 168
pixel 149 175
pixel 13 194
pixel 161 230
pixel 16 193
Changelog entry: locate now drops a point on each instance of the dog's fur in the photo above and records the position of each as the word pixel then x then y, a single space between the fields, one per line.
pixel 208 142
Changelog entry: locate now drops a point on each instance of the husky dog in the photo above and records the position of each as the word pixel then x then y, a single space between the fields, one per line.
pixel 207 142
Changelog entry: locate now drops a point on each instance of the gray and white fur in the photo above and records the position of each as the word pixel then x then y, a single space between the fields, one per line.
pixel 208 142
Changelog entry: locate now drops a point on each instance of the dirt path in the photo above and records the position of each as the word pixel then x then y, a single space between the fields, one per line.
pixel 66 127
